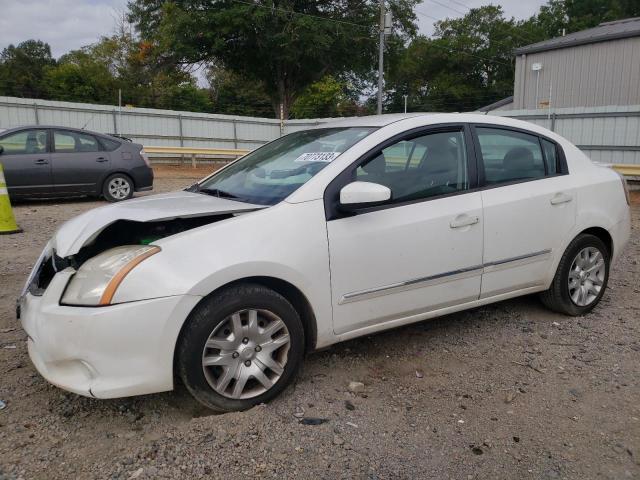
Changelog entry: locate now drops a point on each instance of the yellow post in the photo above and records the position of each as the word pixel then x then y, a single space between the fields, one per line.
pixel 7 220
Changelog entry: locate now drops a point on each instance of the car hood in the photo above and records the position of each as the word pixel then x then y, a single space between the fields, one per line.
pixel 81 230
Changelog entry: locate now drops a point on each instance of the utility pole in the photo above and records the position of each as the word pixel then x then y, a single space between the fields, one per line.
pixel 281 119
pixel 120 109
pixel 381 57
pixel 405 102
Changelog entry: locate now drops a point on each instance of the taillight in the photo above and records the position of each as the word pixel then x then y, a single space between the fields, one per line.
pixel 145 157
pixel 625 187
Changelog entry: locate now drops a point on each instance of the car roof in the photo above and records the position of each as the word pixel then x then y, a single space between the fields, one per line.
pixel 427 117
pixel 416 120
pixel 59 127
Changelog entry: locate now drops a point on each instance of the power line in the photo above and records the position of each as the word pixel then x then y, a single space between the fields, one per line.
pixel 447 6
pixel 442 47
pixel 514 33
pixel 284 10
pixel 461 4
pixel 499 42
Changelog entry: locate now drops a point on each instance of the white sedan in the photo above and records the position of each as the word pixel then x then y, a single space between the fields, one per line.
pixel 317 237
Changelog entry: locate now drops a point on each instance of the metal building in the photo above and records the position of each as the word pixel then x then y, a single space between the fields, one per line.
pixel 595 67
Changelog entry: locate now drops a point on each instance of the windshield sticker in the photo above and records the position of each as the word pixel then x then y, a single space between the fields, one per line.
pixel 318 157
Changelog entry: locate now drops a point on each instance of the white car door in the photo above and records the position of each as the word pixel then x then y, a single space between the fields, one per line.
pixel 529 207
pixel 419 252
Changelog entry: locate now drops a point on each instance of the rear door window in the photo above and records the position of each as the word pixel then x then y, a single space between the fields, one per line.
pixel 510 156
pixel 73 142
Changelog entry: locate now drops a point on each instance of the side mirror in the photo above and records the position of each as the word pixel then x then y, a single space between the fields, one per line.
pixel 363 194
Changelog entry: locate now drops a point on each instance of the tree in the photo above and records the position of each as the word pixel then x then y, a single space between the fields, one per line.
pixel 22 69
pixel 575 15
pixel 79 77
pixel 285 45
pixel 467 64
pixel 233 94
pixel 328 97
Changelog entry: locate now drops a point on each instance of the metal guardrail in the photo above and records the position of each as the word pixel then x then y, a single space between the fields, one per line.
pixel 193 152
pixel 627 170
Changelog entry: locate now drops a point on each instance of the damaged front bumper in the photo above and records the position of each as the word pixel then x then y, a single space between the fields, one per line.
pixel 105 352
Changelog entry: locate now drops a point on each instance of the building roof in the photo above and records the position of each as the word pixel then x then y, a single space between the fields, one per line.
pixel 625 28
pixel 498 104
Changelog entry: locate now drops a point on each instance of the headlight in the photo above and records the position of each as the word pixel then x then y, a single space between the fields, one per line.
pixel 96 281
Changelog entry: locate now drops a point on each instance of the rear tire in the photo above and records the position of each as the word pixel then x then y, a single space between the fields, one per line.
pixel 117 187
pixel 581 278
pixel 240 347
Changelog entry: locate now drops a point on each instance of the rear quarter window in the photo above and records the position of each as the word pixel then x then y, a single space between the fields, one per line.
pixel 551 157
pixel 108 144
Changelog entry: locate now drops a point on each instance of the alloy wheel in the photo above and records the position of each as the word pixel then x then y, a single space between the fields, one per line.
pixel 119 188
pixel 586 276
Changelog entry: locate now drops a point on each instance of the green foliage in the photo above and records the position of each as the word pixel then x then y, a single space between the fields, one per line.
pixel 22 69
pixel 286 45
pixel 233 94
pixel 327 97
pixel 468 63
pixel 575 15
pixel 318 59
pixel 79 77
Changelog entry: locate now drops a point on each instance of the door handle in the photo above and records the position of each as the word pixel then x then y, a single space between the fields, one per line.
pixel 41 161
pixel 560 198
pixel 463 221
pixel 101 159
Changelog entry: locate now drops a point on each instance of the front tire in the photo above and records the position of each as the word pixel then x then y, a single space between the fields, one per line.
pixel 581 278
pixel 117 187
pixel 240 347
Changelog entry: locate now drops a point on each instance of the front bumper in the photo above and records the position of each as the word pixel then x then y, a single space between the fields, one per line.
pixel 104 352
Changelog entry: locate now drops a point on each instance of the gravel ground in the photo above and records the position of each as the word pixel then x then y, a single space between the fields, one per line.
pixel 504 391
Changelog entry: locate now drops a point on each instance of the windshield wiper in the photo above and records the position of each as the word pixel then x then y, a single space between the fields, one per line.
pixel 217 193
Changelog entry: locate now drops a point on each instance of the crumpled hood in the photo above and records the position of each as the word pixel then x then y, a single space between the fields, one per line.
pixel 80 230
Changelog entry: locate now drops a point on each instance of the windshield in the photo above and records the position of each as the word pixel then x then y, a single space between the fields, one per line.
pixel 274 171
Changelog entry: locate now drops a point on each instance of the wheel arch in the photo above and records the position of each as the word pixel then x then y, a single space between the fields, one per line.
pixel 289 291
pixel 106 176
pixel 603 234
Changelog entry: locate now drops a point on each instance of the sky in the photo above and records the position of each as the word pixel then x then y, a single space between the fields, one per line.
pixel 70 24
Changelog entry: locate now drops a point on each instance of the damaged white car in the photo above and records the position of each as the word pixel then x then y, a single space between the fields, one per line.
pixel 320 236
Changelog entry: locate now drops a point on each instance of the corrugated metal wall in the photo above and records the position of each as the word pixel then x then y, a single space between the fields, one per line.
pixel 598 74
pixel 607 134
pixel 149 126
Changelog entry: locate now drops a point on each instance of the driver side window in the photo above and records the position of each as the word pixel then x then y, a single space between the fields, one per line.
pixel 427 166
pixel 25 142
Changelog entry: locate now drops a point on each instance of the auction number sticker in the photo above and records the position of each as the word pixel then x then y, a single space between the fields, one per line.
pixel 318 157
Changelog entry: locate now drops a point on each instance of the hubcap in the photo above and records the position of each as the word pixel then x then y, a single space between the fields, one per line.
pixel 119 188
pixel 586 276
pixel 246 354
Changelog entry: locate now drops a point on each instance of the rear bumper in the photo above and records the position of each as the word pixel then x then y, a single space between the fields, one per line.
pixel 142 178
pixel 620 233
pixel 104 352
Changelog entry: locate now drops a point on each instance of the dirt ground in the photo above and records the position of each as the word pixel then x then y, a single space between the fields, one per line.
pixel 507 391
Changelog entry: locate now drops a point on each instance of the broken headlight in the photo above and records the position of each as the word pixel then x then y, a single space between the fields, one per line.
pixel 96 281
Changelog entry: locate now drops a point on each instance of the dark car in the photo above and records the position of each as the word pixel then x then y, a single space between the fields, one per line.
pixel 45 161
